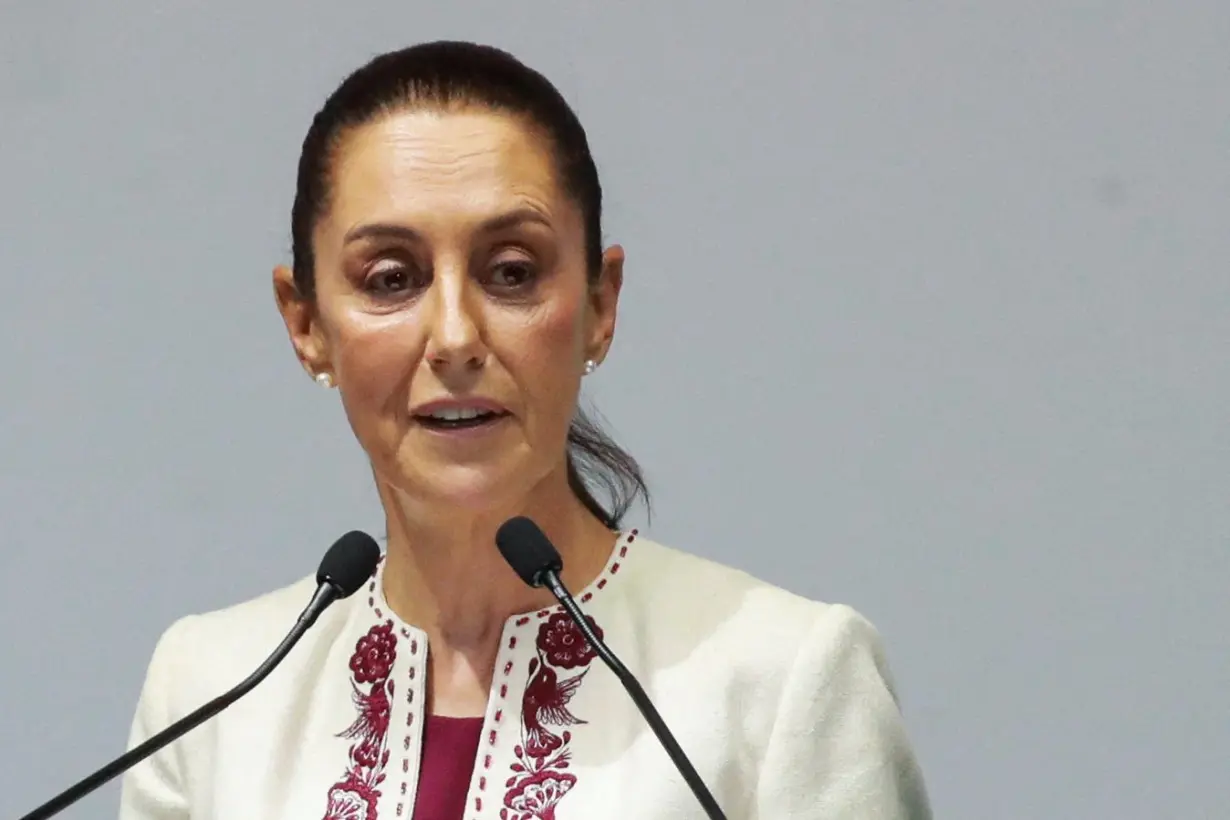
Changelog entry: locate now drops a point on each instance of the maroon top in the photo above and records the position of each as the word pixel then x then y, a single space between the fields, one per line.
pixel 449 748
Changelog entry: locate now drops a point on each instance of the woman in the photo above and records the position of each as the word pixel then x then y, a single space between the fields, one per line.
pixel 448 279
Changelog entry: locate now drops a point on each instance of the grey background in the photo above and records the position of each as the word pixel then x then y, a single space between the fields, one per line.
pixel 926 311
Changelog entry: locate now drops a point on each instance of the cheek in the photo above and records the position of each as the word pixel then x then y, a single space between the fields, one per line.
pixel 375 357
pixel 541 350
pixel 547 339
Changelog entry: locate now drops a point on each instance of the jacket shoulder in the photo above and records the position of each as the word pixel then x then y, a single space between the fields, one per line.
pixel 753 628
pixel 685 583
pixel 211 651
pixel 256 619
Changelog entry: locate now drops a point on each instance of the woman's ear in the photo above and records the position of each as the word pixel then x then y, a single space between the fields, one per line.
pixel 302 323
pixel 604 304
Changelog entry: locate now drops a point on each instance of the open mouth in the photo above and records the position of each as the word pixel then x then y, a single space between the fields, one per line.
pixel 459 419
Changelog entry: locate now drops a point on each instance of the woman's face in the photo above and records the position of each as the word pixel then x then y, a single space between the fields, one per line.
pixel 452 306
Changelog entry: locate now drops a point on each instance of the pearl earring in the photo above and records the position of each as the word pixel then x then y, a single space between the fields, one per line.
pixel 324 379
pixel 590 366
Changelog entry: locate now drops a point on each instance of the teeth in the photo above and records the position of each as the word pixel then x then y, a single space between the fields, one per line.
pixel 458 414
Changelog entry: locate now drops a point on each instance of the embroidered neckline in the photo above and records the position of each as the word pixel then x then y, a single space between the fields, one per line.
pixel 379 606
pixel 540 777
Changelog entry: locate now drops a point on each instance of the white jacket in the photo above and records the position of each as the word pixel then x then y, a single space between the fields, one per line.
pixel 784 705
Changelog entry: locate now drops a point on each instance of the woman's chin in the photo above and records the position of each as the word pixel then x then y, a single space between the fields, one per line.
pixel 472 488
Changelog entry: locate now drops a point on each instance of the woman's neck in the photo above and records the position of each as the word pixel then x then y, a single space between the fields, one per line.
pixel 444 575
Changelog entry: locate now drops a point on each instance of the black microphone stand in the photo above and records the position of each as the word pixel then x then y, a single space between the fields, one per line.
pixel 324 596
pixel 550 578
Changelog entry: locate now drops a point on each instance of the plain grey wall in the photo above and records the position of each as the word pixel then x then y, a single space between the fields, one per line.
pixel 926 311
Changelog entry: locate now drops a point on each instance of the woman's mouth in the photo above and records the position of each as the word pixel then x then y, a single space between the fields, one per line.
pixel 459 418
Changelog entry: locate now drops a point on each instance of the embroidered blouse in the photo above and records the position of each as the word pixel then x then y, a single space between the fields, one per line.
pixel 784 705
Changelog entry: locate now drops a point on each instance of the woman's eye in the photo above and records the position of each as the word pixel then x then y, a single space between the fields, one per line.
pixel 388 278
pixel 513 274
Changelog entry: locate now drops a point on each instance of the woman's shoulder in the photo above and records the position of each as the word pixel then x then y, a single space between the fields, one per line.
pixel 681 579
pixel 759 624
pixel 680 571
pixel 252 619
pixel 223 645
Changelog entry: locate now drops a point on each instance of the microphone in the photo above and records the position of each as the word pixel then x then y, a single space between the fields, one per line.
pixel 535 559
pixel 348 564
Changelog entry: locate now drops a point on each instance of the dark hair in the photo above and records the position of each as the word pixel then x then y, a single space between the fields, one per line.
pixel 448 75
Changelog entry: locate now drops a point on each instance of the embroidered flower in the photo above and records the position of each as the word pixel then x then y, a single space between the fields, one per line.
pixel 561 641
pixel 352 800
pixel 369 755
pixel 536 796
pixel 540 742
pixel 539 771
pixel 357 794
pixel 374 654
pixel 540 779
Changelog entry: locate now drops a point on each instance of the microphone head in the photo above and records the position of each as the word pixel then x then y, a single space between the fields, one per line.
pixel 527 550
pixel 349 563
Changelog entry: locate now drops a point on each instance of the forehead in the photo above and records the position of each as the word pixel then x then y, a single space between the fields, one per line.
pixel 427 166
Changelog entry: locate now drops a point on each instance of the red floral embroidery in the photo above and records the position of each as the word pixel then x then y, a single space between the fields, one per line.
pixel 374 654
pixel 357 794
pixel 537 795
pixel 540 779
pixel 563 644
pixel 352 800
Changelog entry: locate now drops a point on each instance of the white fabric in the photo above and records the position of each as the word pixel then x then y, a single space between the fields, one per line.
pixel 784 705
